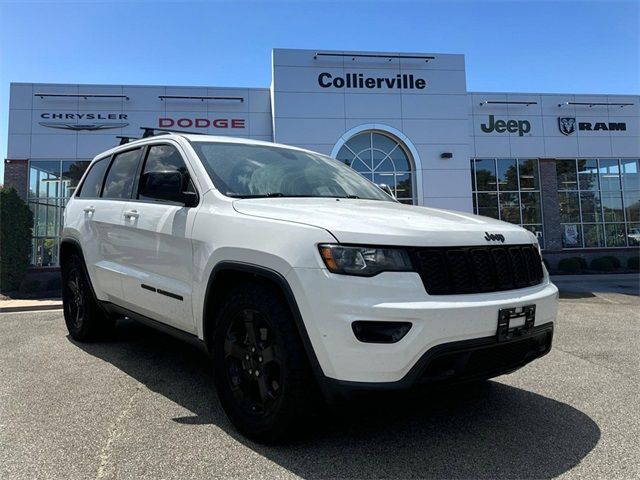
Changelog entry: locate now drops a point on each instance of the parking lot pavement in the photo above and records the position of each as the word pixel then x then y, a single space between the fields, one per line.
pixel 143 406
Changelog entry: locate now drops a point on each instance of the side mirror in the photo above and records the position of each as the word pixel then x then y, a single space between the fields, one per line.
pixel 386 189
pixel 168 186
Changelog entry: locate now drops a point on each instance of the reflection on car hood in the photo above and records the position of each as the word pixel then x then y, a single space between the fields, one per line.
pixel 385 223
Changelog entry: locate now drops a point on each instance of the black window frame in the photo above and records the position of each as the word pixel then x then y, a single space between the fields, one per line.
pixel 136 174
pixel 78 192
pixel 143 163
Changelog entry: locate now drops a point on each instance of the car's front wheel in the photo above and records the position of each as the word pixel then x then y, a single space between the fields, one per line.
pixel 262 374
pixel 85 320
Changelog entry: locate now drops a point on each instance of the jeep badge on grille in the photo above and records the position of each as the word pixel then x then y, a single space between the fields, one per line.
pixel 493 236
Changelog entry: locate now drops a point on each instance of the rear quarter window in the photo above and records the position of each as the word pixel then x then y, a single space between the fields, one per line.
pixel 92 184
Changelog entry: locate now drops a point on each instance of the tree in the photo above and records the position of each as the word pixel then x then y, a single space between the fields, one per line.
pixel 16 223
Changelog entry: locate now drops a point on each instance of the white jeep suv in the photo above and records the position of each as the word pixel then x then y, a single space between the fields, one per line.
pixel 303 279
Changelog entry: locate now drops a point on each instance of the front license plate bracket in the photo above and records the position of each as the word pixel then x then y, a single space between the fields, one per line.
pixel 507 315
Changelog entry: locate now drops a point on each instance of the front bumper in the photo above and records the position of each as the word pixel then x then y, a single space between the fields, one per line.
pixel 330 303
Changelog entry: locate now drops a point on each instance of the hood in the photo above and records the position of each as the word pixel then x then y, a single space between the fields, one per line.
pixel 386 223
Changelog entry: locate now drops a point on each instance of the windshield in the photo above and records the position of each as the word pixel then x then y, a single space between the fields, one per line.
pixel 247 171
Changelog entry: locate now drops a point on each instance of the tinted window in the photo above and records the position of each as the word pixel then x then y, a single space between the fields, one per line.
pixel 93 182
pixel 119 182
pixel 166 158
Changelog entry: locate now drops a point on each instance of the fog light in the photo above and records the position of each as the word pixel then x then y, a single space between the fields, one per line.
pixel 380 332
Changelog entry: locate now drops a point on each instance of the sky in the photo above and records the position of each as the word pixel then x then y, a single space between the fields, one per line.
pixel 565 46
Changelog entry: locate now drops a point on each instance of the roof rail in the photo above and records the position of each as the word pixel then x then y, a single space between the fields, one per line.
pixel 124 139
pixel 151 132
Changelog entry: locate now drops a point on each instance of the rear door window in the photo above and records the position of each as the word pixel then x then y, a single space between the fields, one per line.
pixel 93 181
pixel 122 174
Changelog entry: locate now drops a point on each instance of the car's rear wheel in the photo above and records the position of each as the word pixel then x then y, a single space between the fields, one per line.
pixel 85 320
pixel 262 373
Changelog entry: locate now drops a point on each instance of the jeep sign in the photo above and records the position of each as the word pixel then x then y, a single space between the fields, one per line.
pixel 511 126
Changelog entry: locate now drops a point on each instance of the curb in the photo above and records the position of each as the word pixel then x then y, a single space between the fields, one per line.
pixel 31 308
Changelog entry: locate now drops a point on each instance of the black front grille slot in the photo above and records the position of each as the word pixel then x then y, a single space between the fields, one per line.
pixel 460 270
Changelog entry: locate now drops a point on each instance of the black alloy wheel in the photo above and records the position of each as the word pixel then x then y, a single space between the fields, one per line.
pixel 253 368
pixel 85 320
pixel 262 374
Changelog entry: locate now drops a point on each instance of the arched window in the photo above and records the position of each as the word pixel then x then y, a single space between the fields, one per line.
pixel 382 159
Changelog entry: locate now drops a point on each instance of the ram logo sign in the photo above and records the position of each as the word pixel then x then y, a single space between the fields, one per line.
pixel 567 126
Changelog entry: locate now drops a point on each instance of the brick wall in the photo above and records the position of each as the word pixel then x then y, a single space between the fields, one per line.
pixel 16 175
pixel 550 205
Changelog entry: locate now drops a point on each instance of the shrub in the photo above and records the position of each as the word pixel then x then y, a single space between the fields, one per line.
pixel 633 263
pixel 54 283
pixel 603 264
pixel 29 285
pixel 16 222
pixel 572 264
pixel 582 262
pixel 614 260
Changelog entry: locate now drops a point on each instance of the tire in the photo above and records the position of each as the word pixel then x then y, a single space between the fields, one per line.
pixel 265 406
pixel 85 320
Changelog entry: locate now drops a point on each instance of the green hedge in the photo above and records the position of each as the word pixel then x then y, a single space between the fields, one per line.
pixel 16 222
pixel 633 263
pixel 603 264
pixel 614 260
pixel 573 264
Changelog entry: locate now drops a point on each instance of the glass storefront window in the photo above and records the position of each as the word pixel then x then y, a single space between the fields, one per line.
pixel 601 199
pixel 51 183
pixel 509 189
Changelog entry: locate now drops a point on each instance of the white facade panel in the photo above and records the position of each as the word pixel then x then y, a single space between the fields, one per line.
pixel 492 147
pixel 53 146
pixel 434 106
pixel 625 147
pixel 20 121
pixel 144 98
pixel 19 146
pixel 526 147
pixel 561 147
pixel 297 131
pixel 318 105
pixel 436 131
pixel 373 105
pixel 21 96
pixel 259 100
pixel 594 147
pixel 430 156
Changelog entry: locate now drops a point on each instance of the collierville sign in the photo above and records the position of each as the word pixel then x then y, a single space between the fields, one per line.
pixel 402 81
pixel 567 126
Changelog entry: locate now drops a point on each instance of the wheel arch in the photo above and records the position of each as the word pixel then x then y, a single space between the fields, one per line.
pixel 227 274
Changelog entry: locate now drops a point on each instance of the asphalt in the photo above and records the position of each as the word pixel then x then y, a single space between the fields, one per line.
pixel 143 406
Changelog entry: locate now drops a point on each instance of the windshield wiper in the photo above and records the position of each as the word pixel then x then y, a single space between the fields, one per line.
pixel 262 195
pixel 282 195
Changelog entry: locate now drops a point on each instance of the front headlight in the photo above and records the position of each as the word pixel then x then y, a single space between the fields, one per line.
pixel 364 261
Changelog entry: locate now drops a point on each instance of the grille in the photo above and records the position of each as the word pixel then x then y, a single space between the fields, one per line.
pixel 451 271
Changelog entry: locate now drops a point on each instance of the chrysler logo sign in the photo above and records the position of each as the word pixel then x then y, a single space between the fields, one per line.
pixel 76 126
pixel 83 126
pixel 567 126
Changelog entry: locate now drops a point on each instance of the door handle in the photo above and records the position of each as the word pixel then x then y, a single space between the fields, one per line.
pixel 89 209
pixel 131 214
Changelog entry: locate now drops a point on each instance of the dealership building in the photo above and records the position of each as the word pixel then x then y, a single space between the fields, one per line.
pixel 564 166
